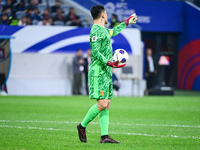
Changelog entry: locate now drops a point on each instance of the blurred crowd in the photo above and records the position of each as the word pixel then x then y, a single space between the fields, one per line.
pixel 37 12
pixel 33 12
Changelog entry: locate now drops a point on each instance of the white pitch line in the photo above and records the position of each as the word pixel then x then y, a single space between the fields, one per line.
pixel 137 134
pixel 124 124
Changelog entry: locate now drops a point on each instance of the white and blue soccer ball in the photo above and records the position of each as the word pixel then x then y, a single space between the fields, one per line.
pixel 120 55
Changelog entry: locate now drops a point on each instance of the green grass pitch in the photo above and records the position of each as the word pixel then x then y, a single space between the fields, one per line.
pixel 49 123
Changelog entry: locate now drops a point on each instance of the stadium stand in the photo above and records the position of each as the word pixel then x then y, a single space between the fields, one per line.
pixel 26 8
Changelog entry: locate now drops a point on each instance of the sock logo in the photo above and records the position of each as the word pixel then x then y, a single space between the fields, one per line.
pixel 102 93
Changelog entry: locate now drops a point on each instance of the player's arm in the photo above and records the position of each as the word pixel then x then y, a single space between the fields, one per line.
pixel 116 30
pixel 95 46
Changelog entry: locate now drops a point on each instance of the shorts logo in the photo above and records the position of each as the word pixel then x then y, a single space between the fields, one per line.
pixel 94 38
pixel 102 93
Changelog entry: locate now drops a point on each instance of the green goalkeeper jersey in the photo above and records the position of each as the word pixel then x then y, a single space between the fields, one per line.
pixel 101 49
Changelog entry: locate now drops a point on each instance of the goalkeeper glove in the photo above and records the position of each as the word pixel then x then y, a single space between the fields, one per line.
pixel 115 64
pixel 131 19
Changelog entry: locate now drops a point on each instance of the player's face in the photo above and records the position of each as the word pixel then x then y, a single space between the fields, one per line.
pixel 105 17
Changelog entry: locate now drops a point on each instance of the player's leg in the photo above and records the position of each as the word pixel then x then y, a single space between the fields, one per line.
pixel 91 114
pixel 104 120
pixel 104 115
pixel 95 93
pixel 94 111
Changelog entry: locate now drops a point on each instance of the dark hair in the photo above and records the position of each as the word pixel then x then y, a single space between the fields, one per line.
pixel 79 49
pixel 96 11
pixel 114 15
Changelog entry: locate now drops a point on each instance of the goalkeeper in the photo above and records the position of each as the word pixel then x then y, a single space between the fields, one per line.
pixel 100 72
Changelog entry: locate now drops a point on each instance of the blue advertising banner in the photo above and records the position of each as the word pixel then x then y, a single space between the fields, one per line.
pixel 153 16
pixel 39 39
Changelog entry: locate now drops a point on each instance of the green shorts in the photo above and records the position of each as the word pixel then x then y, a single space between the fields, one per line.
pixel 100 87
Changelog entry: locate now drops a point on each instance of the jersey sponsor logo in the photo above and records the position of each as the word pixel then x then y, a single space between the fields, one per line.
pixel 102 93
pixel 94 39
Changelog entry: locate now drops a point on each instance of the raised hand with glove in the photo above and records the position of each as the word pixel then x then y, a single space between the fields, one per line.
pixel 131 19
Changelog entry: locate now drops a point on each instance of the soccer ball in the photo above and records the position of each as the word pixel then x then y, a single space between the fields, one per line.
pixel 120 55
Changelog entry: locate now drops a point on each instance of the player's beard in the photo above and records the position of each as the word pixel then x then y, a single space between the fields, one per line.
pixel 106 21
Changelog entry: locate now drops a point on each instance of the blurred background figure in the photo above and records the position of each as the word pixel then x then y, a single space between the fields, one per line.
pixel 116 84
pixel 32 5
pixel 46 14
pixel 22 22
pixel 71 16
pixel 150 69
pixel 7 11
pixel 78 68
pixel 77 22
pixel 56 6
pixel 36 15
pixel 87 61
pixel 28 20
pixel 36 1
pixel 4 20
pixel 44 22
pixel 29 13
pixel 114 21
pixel 20 6
pixel 13 20
pixel 50 20
pixel 59 15
pixel 8 4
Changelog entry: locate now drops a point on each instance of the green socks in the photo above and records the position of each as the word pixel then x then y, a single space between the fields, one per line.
pixel 91 114
pixel 103 118
pixel 104 121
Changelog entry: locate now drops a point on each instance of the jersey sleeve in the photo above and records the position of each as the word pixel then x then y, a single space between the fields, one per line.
pixel 96 42
pixel 116 30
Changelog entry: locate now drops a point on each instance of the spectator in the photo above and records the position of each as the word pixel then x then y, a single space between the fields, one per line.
pixel 8 4
pixel 56 6
pixel 22 22
pixel 13 1
pixel 1 6
pixel 78 63
pixel 71 16
pixel 77 22
pixel 87 61
pixel 114 21
pixel 46 14
pixel 115 82
pixel 36 15
pixel 50 20
pixel 20 6
pixel 29 13
pixel 28 20
pixel 59 15
pixel 7 11
pixel 13 20
pixel 4 20
pixel 44 22
pixel 36 1
pixel 150 69
pixel 32 5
